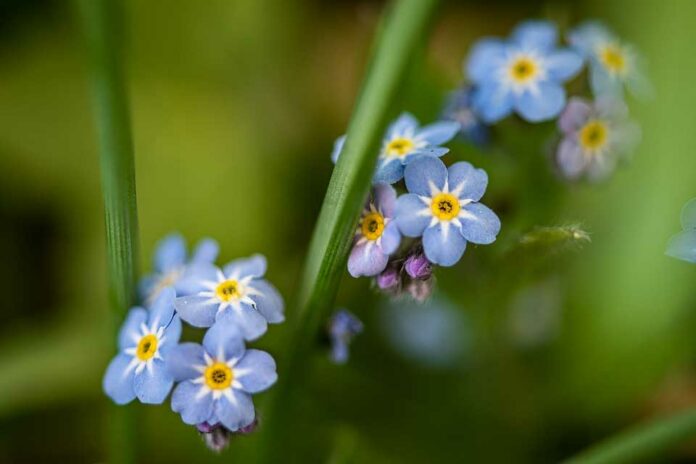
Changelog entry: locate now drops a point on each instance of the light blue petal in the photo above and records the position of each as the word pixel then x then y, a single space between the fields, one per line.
pixel 170 253
pixel 162 310
pixel 117 384
pixel 269 302
pixel 338 146
pixel 237 413
pixel 469 182
pixel 688 215
pixel 224 338
pixel 479 224
pixel 436 152
pixel 172 334
pixel 206 252
pixel 254 266
pixel 443 249
pixel 540 35
pixel 256 371
pixel 146 286
pixel 563 65
pixel 193 409
pixel 389 171
pixel 683 246
pixel 541 106
pixel 197 310
pixel 603 84
pixel 181 360
pixel 384 198
pixel 424 172
pixel 366 259
pixel 406 123
pixel 129 334
pixel 439 132
pixel 585 37
pixel 411 223
pixel 492 102
pixel 486 56
pixel 153 387
pixel 192 281
pixel 339 351
pixel 391 237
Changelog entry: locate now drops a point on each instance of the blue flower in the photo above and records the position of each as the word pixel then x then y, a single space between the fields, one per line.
pixel 343 326
pixel 524 74
pixel 404 141
pixel 377 236
pixel 145 342
pixel 613 64
pixel 218 378
pixel 236 293
pixel 459 109
pixel 683 245
pixel 170 265
pixel 443 208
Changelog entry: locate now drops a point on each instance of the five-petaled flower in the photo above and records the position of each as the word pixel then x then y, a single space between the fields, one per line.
pixel 525 74
pixel 170 265
pixel 443 208
pixel 404 141
pixel 613 64
pixel 145 342
pixel 237 293
pixel 595 136
pixel 377 235
pixel 218 378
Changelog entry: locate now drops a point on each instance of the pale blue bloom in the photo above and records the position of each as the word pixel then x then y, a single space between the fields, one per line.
pixel 443 208
pixel 343 327
pixel 683 245
pixel 145 342
pixel 524 74
pixel 170 262
pixel 459 108
pixel 236 293
pixel 218 378
pixel 404 141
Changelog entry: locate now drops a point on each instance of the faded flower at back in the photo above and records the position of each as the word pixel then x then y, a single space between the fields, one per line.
pixel 459 108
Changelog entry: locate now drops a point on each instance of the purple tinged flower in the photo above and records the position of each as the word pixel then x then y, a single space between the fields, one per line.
pixel 595 136
pixel 343 327
pixel 418 267
pixel 389 279
pixel 217 437
pixel 443 207
pixel 459 108
pixel 377 235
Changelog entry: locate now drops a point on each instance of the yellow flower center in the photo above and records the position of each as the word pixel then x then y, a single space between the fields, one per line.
pixel 372 226
pixel 228 290
pixel 400 147
pixel 523 70
pixel 445 206
pixel 593 135
pixel 613 58
pixel 218 376
pixel 147 347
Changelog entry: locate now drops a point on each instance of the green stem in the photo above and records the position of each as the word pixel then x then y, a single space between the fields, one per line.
pixel 402 31
pixel 102 21
pixel 643 442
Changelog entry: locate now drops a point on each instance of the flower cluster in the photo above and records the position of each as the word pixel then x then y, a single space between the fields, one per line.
pixel 216 379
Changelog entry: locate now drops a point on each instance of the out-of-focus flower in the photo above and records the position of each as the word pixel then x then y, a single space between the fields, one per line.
pixel 170 264
pixel 343 326
pixel 420 289
pixel 404 141
pixel 613 64
pixel 237 293
pixel 595 136
pixel 218 378
pixel 524 74
pixel 459 109
pixel 417 266
pixel 377 236
pixel 145 343
pixel 683 245
pixel 443 207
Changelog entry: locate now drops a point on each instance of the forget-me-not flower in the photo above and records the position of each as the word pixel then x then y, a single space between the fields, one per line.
pixel 442 206
pixel 144 342
pixel 459 109
pixel 613 64
pixel 343 326
pixel 377 235
pixel 595 136
pixel 237 293
pixel 218 378
pixel 170 263
pixel 403 142
pixel 524 74
pixel 683 245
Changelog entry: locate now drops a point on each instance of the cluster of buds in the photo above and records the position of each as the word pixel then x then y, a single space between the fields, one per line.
pixel 217 437
pixel 412 274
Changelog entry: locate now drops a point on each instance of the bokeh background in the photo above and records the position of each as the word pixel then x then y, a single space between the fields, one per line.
pixel 522 356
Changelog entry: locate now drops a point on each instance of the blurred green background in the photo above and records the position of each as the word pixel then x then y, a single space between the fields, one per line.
pixel 235 106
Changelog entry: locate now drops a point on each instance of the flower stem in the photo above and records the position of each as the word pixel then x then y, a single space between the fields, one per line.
pixel 643 442
pixel 402 31
pixel 102 23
